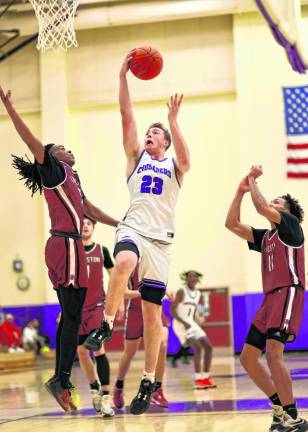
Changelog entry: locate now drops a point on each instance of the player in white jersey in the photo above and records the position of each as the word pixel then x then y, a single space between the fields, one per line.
pixel 147 230
pixel 184 310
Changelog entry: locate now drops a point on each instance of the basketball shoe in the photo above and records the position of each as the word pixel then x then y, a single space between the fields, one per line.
pixel 106 406
pixel 159 399
pixel 208 383
pixel 199 384
pixel 141 401
pixel 282 422
pixel 118 397
pixel 278 418
pixel 61 395
pixel 99 336
pixel 96 400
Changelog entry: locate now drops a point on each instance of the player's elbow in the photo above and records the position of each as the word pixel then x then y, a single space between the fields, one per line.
pixel 229 224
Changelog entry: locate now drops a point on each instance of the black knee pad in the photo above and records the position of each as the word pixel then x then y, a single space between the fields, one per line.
pixel 103 369
pixel 279 335
pixel 256 338
pixel 152 295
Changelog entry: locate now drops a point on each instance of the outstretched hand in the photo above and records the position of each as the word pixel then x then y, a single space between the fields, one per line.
pixel 174 106
pixel 6 98
pixel 125 64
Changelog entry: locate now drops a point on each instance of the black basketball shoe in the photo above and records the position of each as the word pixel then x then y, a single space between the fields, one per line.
pixel 96 339
pixel 61 394
pixel 141 402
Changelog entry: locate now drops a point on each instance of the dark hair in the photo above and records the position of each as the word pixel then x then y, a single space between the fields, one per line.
pixel 184 275
pixel 90 219
pixel 29 172
pixel 294 207
pixel 166 132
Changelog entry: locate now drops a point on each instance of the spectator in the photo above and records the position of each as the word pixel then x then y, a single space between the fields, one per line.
pixel 10 334
pixel 32 340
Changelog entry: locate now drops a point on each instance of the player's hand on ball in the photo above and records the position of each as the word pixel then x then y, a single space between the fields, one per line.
pixel 255 171
pixel 174 106
pixel 125 65
pixel 244 185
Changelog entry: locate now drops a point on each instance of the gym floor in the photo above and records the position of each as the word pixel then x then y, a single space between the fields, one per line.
pixel 27 407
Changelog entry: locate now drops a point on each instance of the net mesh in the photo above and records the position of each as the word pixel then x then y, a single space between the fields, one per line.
pixel 56 23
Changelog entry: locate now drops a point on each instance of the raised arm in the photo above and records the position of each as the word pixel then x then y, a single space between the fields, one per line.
pixel 97 214
pixel 180 147
pixel 233 220
pixel 260 203
pixel 129 127
pixel 34 145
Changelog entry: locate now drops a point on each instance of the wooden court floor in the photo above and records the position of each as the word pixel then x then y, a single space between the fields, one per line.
pixel 26 407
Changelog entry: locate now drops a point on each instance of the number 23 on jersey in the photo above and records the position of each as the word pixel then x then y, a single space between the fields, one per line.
pixel 152 185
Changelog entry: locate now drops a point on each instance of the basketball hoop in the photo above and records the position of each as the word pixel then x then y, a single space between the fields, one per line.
pixel 56 23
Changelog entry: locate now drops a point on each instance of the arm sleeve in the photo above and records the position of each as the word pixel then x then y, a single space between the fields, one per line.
pixel 258 235
pixel 52 171
pixel 107 258
pixel 289 230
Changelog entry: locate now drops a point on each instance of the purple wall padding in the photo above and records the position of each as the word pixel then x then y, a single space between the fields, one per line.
pixel 173 342
pixel 244 307
pixel 46 314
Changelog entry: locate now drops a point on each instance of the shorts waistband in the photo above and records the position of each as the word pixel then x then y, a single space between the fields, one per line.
pixel 66 234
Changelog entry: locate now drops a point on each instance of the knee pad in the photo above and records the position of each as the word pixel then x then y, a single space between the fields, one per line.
pixel 103 369
pixel 256 338
pixel 152 295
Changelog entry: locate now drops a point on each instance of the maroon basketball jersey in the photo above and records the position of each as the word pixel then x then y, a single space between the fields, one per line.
pixel 282 265
pixel 133 282
pixel 95 264
pixel 65 203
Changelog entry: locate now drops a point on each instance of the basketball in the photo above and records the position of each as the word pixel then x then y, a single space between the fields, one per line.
pixel 146 62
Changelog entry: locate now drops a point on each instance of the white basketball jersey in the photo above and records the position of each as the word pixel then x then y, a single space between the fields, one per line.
pixel 187 308
pixel 154 188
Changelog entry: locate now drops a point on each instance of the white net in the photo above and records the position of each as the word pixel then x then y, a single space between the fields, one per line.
pixel 56 23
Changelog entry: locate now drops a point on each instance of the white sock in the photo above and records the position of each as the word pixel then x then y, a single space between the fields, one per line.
pixel 149 376
pixel 205 375
pixel 109 320
pixel 198 375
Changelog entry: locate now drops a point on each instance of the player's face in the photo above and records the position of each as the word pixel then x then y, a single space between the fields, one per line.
pixel 154 140
pixel 87 229
pixel 279 204
pixel 192 279
pixel 60 153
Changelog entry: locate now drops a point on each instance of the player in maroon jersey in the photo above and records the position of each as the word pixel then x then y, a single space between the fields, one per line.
pixel 283 273
pixel 133 336
pixel 97 258
pixel 64 253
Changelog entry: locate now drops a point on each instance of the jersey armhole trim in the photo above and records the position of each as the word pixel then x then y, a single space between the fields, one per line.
pixel 136 166
pixel 290 246
pixel 58 185
pixel 175 173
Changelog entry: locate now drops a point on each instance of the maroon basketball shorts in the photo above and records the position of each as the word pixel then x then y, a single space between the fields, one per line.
pixel 134 323
pixel 281 310
pixel 92 317
pixel 66 262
